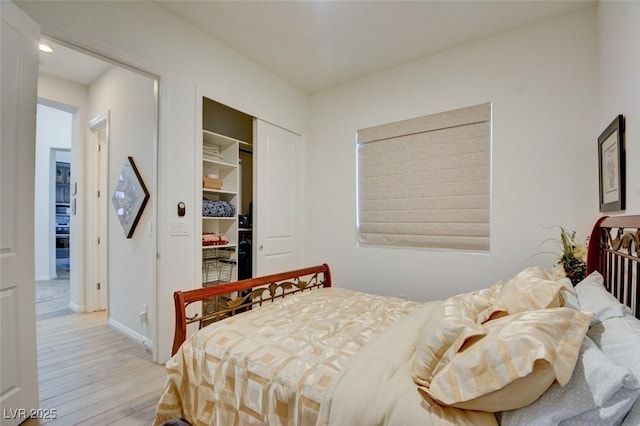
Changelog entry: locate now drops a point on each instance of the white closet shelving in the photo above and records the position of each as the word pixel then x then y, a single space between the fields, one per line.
pixel 220 186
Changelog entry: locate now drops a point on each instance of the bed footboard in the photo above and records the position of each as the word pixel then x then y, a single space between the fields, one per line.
pixel 244 295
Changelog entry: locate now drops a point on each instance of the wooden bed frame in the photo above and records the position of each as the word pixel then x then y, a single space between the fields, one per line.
pixel 254 291
pixel 613 250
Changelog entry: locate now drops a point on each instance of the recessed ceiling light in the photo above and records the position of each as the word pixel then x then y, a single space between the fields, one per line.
pixel 44 48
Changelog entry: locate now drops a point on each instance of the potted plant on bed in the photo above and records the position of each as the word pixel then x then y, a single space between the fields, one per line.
pixel 572 261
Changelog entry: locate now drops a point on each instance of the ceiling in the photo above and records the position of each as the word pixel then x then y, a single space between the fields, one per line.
pixel 318 44
pixel 71 64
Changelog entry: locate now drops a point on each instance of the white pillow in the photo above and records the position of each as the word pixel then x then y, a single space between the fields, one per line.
pixel 599 392
pixel 619 340
pixel 593 297
pixel 569 294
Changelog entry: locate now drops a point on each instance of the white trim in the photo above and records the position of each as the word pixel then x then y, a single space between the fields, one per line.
pixel 76 308
pixel 93 47
pixel 135 336
pixel 97 254
pixel 46 277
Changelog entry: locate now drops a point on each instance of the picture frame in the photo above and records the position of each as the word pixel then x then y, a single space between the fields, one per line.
pixel 129 197
pixel 611 166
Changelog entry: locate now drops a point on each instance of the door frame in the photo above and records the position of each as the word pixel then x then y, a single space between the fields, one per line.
pixel 73 111
pixel 108 53
pixel 97 253
pixel 51 189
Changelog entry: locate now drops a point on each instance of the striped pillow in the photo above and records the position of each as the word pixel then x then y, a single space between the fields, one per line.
pixel 455 321
pixel 531 289
pixel 514 363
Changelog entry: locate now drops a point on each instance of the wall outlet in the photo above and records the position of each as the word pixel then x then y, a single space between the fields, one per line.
pixel 142 315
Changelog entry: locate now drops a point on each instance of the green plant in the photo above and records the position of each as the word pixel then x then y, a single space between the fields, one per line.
pixel 572 261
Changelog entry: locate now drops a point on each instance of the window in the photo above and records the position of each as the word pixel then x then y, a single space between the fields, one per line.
pixel 425 182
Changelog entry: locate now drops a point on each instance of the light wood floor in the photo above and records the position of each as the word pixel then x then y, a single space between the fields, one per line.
pixel 93 375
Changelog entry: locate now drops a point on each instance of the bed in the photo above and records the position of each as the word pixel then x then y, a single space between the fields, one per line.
pixel 293 349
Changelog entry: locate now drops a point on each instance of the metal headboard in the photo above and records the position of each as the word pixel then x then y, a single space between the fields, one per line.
pixel 613 251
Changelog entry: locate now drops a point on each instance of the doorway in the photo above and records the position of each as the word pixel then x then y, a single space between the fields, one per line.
pixel 52 209
pixel 106 99
pixel 19 80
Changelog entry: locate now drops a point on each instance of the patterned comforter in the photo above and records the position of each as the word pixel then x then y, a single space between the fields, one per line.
pixel 274 365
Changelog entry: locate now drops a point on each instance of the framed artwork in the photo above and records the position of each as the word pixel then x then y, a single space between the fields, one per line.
pixel 611 166
pixel 130 197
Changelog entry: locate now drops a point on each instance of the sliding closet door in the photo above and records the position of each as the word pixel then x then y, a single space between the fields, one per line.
pixel 277 186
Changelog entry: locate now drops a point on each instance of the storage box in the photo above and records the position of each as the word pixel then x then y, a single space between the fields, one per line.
pixel 211 183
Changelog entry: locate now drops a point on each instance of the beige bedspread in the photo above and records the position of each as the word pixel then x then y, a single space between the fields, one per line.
pixel 273 365
pixel 376 388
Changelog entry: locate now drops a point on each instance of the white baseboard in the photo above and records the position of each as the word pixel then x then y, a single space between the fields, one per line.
pixel 76 308
pixel 46 277
pixel 135 336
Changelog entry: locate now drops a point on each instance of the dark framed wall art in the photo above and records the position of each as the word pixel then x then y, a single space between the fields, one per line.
pixel 611 166
pixel 130 197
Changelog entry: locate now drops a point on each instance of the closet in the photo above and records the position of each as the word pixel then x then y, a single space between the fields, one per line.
pixel 249 179
pixel 227 193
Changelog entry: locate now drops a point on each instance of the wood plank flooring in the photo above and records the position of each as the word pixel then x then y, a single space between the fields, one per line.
pixel 93 375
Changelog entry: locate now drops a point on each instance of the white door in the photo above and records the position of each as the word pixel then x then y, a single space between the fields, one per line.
pixel 19 64
pixel 276 206
pixel 97 253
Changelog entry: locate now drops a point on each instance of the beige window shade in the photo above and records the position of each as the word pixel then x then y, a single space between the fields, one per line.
pixel 425 182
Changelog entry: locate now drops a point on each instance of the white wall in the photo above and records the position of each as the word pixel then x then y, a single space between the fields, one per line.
pixel 619 89
pixel 53 132
pixel 542 82
pixel 129 99
pixel 72 97
pixel 144 35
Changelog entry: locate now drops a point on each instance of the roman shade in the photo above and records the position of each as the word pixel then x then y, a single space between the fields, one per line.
pixel 425 182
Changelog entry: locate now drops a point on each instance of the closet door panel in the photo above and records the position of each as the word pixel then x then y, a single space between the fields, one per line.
pixel 277 246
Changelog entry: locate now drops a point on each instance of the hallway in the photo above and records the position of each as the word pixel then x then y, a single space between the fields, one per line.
pixel 93 375
pixel 87 372
pixel 52 297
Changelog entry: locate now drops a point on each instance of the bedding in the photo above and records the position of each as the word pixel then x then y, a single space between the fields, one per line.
pixel 569 294
pixel 455 322
pixel 531 289
pixel 272 365
pixel 376 387
pixel 516 361
pixel 593 297
pixel 600 392
pixel 619 339
pixel 499 348
pixel 334 356
pixel 615 331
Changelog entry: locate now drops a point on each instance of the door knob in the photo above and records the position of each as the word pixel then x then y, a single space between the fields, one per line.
pixel 260 247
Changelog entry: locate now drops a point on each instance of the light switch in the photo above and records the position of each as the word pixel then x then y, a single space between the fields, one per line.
pixel 180 229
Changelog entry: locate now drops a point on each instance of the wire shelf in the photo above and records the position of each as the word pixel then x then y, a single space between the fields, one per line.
pixel 217 268
pixel 217 265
